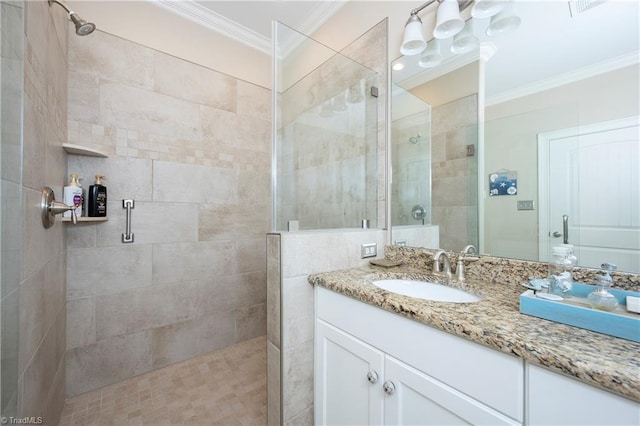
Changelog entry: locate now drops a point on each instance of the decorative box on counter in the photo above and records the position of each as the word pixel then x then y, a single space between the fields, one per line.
pixel 576 311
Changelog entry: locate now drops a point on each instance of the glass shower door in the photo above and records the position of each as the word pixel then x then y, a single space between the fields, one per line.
pixel 325 154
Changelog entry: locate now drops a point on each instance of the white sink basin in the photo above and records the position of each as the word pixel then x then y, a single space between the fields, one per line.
pixel 426 290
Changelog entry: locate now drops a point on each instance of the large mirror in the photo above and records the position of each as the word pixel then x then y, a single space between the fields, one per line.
pixel 527 142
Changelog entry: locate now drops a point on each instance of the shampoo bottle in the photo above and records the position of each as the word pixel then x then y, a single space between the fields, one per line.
pixel 72 195
pixel 97 198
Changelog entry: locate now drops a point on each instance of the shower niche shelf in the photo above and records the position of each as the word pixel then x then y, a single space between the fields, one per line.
pixel 83 150
pixel 86 219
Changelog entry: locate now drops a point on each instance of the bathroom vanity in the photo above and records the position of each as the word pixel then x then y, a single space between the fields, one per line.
pixel 384 358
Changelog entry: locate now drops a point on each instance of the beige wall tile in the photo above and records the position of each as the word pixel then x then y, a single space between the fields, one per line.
pixel 106 270
pixel 39 375
pixel 81 322
pixel 252 254
pixel 251 322
pixel 112 58
pixel 273 385
pixel 84 92
pixel 35 143
pixel 192 261
pixel 145 308
pixel 181 79
pixel 174 343
pixel 31 310
pixel 216 331
pixel 297 392
pixel 231 221
pixel 254 101
pixel 146 111
pixel 227 128
pixel 273 289
pixel 192 184
pixel 108 361
pixel 297 314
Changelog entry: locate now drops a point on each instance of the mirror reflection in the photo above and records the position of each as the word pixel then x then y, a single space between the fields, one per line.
pixel 501 143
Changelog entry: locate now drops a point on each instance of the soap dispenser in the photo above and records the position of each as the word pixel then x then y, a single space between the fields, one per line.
pixel 601 298
pixel 98 198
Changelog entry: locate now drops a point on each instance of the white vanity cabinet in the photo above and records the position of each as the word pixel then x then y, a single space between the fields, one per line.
pixel 348 374
pixel 375 367
pixel 554 399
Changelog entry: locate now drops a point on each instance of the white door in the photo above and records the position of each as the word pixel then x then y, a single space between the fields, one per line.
pixel 348 379
pixel 594 179
pixel 414 398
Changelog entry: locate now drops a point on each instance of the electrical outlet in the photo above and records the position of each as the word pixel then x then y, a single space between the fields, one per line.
pixel 368 250
pixel 525 205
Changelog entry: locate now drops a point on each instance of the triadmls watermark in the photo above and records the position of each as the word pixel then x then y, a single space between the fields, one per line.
pixel 22 420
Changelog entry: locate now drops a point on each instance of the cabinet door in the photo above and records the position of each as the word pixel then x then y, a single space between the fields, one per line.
pixel 344 394
pixel 418 399
pixel 554 399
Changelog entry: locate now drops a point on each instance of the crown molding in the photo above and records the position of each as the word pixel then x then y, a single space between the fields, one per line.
pixel 201 15
pixel 212 20
pixel 566 78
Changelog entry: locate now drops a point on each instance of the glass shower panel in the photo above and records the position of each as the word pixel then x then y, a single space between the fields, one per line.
pixel 11 90
pixel 325 152
pixel 410 159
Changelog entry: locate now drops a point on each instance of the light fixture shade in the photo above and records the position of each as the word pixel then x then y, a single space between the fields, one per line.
pixel 431 56
pixel 486 8
pixel 448 20
pixel 465 41
pixel 504 22
pixel 413 42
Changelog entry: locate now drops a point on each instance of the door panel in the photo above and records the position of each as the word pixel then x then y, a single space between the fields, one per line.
pixel 594 178
pixel 419 399
pixel 344 395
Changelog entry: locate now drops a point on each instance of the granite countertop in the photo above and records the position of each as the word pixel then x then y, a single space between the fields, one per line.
pixel 495 321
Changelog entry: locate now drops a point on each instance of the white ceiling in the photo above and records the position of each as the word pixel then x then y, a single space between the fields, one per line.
pixel 549 42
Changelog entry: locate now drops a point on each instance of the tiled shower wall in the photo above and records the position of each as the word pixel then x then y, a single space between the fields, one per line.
pixel 39 299
pixel 454 174
pixel 191 146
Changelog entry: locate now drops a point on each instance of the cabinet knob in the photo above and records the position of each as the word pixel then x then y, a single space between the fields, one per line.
pixel 372 377
pixel 389 388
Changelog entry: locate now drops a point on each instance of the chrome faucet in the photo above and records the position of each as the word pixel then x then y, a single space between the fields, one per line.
pixel 447 263
pixel 469 249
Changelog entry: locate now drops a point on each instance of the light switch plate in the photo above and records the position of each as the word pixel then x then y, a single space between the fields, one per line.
pixel 526 205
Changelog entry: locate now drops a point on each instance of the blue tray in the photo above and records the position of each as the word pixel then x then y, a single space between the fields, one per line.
pixel 576 311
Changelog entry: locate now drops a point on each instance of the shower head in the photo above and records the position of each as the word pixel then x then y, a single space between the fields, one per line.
pixel 82 27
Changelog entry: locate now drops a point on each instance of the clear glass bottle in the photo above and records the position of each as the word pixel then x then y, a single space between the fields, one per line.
pixel 560 281
pixel 601 298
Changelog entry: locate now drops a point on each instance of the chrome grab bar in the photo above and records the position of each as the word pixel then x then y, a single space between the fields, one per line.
pixel 127 237
pixel 565 229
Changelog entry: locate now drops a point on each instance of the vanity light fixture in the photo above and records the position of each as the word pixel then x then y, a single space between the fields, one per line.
pixel 504 22
pixel 448 24
pixel 465 41
pixel 486 8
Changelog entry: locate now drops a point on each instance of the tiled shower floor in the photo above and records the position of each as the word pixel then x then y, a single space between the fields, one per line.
pixel 226 387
